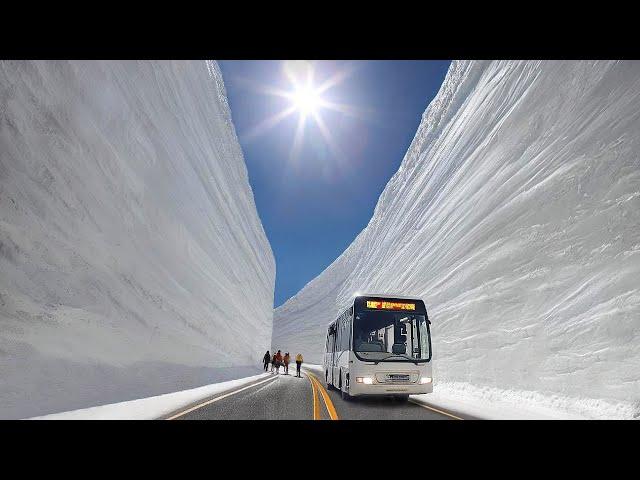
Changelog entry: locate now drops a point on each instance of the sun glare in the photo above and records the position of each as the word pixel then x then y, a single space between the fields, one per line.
pixel 306 100
pixel 306 97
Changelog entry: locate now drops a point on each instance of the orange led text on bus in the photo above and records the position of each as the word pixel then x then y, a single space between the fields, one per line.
pixel 380 305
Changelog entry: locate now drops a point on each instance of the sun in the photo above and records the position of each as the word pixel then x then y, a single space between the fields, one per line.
pixel 306 100
pixel 306 97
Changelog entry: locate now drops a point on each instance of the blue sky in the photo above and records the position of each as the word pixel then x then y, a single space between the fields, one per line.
pixel 314 199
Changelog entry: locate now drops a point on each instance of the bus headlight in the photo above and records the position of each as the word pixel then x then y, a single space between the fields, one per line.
pixel 365 380
pixel 424 380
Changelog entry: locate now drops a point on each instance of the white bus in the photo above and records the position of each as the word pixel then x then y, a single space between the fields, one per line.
pixel 380 345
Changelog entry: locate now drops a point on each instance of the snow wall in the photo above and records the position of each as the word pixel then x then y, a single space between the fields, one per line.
pixel 515 214
pixel 132 258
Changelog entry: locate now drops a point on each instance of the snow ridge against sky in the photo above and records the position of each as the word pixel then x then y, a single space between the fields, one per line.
pixel 515 214
pixel 132 256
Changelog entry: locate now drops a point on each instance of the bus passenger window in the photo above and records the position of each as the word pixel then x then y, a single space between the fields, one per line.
pixel 345 336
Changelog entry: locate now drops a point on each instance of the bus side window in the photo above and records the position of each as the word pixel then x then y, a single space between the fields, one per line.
pixel 333 340
pixel 346 333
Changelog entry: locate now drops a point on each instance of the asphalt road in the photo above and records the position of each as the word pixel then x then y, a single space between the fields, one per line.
pixel 286 397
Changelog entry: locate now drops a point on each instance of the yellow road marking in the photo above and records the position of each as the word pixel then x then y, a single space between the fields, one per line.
pixel 200 405
pixel 434 409
pixel 331 410
pixel 316 406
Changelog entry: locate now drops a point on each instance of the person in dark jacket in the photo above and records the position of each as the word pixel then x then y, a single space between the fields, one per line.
pixel 266 359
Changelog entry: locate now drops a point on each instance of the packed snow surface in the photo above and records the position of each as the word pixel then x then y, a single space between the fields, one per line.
pixel 515 215
pixel 132 258
pixel 486 403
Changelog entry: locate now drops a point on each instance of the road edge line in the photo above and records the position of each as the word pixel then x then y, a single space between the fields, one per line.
pixel 215 399
pixel 424 405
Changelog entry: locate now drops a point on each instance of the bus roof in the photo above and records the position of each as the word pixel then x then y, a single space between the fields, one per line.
pixel 375 295
pixel 388 295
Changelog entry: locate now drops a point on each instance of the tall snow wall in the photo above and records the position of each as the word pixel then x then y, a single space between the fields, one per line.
pixel 132 258
pixel 515 214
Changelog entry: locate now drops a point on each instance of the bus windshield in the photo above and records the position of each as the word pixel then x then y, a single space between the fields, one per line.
pixel 391 336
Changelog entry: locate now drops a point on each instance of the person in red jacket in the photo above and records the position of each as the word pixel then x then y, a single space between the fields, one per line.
pixel 286 360
pixel 278 361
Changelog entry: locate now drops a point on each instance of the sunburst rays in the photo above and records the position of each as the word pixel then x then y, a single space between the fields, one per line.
pixel 308 100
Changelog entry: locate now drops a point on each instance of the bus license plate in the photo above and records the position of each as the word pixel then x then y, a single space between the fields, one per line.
pixel 399 378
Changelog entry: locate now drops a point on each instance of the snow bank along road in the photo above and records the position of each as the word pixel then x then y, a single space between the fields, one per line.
pixel 286 397
pixel 515 214
pixel 133 261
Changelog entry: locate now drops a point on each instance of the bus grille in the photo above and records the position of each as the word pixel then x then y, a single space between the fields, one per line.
pixel 393 378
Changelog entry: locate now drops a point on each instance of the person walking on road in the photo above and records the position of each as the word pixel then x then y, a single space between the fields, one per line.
pixel 273 363
pixel 298 364
pixel 286 363
pixel 266 359
pixel 278 362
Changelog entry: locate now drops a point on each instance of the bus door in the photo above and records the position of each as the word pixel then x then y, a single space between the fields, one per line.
pixel 331 352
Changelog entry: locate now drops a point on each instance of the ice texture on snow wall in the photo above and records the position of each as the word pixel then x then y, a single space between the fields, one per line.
pixel 515 214
pixel 132 258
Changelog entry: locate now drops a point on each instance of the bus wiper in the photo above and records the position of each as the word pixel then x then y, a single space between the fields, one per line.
pixel 395 355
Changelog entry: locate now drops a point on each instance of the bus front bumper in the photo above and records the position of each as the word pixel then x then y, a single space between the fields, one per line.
pixel 358 389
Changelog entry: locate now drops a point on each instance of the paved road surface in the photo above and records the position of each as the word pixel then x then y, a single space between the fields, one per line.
pixel 286 397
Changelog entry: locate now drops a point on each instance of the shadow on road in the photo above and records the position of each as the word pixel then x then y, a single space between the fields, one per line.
pixel 375 402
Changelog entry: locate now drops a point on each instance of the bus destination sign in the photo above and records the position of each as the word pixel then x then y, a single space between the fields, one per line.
pixel 382 305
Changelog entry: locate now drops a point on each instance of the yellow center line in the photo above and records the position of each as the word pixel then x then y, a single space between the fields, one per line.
pixel 434 409
pixel 215 399
pixel 316 406
pixel 331 410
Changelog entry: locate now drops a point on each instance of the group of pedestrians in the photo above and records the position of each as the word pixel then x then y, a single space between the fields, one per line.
pixel 278 360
